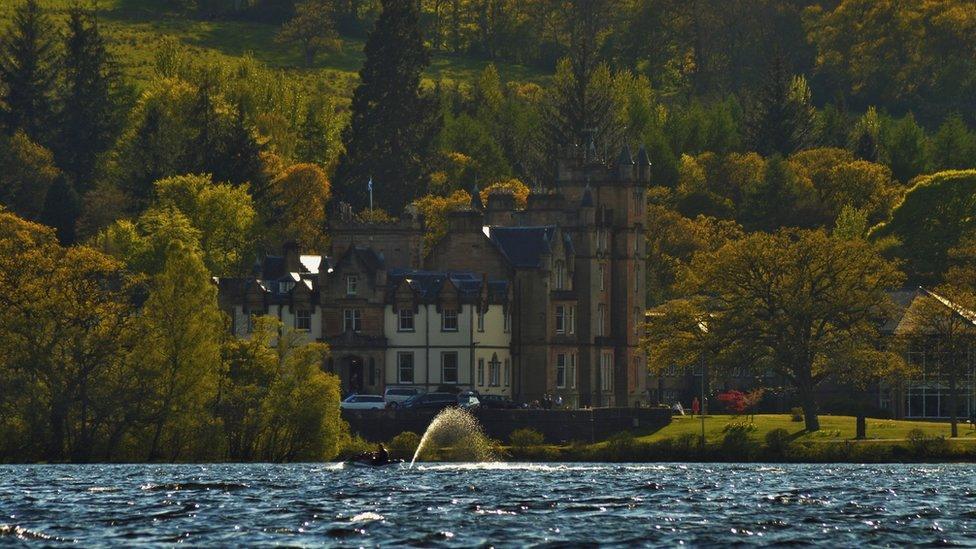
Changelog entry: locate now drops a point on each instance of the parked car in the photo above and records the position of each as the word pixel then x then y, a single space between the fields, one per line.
pixel 497 402
pixel 395 396
pixel 431 401
pixel 363 402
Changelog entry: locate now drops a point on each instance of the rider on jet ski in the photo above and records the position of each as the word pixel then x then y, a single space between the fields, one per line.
pixel 381 456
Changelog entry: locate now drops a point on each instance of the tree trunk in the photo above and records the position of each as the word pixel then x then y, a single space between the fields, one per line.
pixel 862 427
pixel 309 56
pixel 55 445
pixel 953 405
pixel 809 403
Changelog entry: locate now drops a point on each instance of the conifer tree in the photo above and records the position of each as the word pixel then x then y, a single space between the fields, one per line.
pixel 90 113
pixel 782 118
pixel 394 123
pixel 27 70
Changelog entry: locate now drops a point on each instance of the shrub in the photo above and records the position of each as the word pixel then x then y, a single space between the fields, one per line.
pixel 922 445
pixel 621 447
pixel 736 443
pixel 405 444
pixel 525 438
pixel 796 414
pixel 778 441
pixel 354 446
pixel 739 426
pixel 687 444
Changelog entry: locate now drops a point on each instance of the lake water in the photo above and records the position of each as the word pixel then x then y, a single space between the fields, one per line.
pixel 497 504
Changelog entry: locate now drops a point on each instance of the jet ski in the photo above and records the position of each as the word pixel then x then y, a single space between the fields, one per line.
pixel 369 460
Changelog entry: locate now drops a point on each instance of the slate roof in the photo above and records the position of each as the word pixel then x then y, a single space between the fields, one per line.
pixel 367 256
pixel 524 246
pixel 428 284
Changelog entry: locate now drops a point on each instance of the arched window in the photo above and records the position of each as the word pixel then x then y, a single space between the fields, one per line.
pixel 494 374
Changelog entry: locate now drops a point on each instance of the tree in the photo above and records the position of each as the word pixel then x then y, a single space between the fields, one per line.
pixel 302 407
pixel 518 190
pixel 435 210
pixel 954 145
pixel 942 324
pixel 312 29
pixel 63 334
pixel 931 219
pixel 300 198
pixel 27 174
pixel 223 214
pixel 905 148
pixel 27 71
pixel 580 113
pixel 800 304
pixel 782 117
pixel 90 113
pixel 179 354
pixel 394 123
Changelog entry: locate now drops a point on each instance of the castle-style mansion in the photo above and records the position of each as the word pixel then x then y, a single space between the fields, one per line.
pixel 548 299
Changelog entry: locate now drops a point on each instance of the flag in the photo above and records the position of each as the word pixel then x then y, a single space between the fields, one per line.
pixel 369 186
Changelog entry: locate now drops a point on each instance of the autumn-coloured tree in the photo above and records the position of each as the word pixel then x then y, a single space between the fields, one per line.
pixel 435 210
pixel 300 197
pixel 519 190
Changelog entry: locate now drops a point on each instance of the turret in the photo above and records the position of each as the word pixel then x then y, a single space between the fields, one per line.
pixel 625 164
pixel 643 166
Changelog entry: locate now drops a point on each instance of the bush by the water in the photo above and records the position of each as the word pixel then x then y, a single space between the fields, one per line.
pixel 404 445
pixel 525 438
pixel 353 446
pixel 778 441
pixel 736 443
pixel 922 445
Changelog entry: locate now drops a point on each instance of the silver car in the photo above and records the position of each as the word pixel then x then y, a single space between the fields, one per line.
pixel 363 402
pixel 395 396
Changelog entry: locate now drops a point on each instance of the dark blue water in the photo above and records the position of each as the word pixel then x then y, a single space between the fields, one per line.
pixel 494 504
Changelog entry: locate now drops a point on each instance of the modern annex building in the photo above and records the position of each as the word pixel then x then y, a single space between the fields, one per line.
pixel 545 300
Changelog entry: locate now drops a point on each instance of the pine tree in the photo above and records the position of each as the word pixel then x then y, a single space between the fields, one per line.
pixel 580 111
pixel 394 124
pixel 90 113
pixel 782 118
pixel 27 69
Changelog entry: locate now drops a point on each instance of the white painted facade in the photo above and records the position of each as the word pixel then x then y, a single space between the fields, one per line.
pixel 474 356
pixel 306 319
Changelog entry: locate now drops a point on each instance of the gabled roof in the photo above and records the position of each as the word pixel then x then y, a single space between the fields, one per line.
pixel 366 256
pixel 524 247
pixel 427 285
pixel 906 301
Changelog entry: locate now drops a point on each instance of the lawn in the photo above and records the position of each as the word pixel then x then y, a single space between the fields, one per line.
pixel 832 428
pixel 134 29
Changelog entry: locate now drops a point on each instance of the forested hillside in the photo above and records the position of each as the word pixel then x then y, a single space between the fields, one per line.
pixel 170 139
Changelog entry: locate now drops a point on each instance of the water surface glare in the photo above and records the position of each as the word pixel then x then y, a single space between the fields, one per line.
pixel 488 504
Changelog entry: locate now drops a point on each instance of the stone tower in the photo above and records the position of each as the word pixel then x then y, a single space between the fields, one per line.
pixel 606 223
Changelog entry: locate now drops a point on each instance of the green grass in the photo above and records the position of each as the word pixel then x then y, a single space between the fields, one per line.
pixel 134 29
pixel 832 428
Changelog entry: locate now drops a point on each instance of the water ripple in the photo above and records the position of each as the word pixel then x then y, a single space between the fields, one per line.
pixel 464 505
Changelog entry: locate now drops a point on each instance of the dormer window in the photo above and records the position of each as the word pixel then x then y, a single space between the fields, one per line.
pixel 560 275
pixel 352 285
pixel 285 286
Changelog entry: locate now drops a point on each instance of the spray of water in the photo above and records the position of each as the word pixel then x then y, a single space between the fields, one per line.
pixel 460 433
